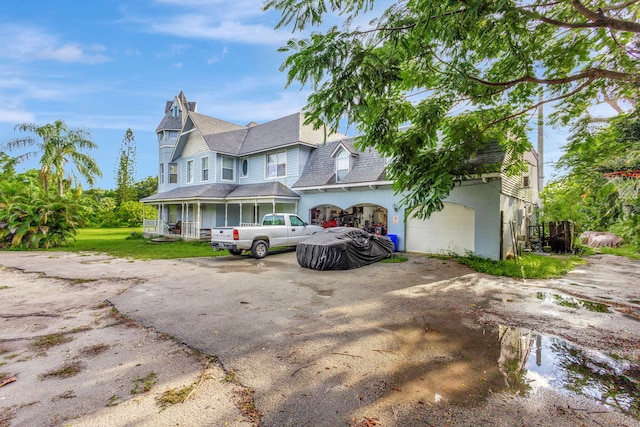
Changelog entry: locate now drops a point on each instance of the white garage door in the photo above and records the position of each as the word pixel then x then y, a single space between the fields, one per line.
pixel 450 230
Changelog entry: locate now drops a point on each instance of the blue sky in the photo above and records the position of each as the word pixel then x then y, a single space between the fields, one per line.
pixel 109 65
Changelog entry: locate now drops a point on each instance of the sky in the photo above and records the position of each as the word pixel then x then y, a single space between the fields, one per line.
pixel 109 65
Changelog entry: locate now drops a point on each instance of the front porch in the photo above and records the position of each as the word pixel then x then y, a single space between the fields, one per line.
pixel 191 212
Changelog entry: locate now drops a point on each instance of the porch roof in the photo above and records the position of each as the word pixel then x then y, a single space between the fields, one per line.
pixel 223 192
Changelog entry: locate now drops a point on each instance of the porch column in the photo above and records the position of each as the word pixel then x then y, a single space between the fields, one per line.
pixel 199 220
pixel 240 211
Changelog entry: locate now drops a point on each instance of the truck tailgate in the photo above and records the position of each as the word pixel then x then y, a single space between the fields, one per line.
pixel 225 233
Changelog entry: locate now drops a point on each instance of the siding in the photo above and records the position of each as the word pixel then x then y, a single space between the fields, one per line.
pixel 513 185
pixel 195 145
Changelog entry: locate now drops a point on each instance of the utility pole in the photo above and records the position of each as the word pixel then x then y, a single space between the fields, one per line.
pixel 540 144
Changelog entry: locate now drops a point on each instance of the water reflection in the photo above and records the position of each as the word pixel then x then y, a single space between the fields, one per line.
pixel 566 301
pixel 532 361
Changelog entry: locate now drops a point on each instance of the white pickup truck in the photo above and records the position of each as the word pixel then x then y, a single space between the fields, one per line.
pixel 277 229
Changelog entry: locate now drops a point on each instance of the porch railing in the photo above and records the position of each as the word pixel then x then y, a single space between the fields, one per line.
pixel 154 226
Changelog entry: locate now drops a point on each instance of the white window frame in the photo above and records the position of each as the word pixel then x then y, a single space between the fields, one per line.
pixel 242 172
pixel 342 159
pixel 174 173
pixel 161 173
pixel 205 170
pixel 172 134
pixel 233 169
pixel 189 171
pixel 273 162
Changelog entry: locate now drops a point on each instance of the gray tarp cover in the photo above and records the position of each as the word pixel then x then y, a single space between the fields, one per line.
pixel 342 248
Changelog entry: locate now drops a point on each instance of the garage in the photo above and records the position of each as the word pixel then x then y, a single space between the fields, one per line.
pixel 450 230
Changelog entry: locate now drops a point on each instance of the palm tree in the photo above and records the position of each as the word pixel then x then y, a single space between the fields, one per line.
pixel 58 145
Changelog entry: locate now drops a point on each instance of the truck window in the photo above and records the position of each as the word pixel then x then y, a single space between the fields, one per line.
pixel 273 220
pixel 295 221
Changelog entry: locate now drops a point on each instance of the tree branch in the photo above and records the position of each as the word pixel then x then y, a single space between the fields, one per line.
pixel 620 6
pixel 534 106
pixel 591 73
pixel 604 21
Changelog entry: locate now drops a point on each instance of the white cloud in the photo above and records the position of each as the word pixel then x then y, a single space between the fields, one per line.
pixel 202 27
pixel 27 43
pixel 241 108
pixel 217 58
pixel 8 116
pixel 173 50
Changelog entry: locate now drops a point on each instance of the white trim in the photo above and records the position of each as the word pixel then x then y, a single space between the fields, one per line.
pixel 222 169
pixel 189 171
pixel 241 174
pixel 202 169
pixel 266 164
pixel 323 188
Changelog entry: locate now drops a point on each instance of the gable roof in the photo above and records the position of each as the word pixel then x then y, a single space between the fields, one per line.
pixel 347 145
pixel 208 127
pixel 367 167
pixel 231 139
pixel 488 159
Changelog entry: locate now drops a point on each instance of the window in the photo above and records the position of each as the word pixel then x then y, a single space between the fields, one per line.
pixel 244 168
pixel 189 171
pixel 173 134
pixel 295 221
pixel 173 173
pixel 525 182
pixel 205 169
pixel 273 220
pixel 228 169
pixel 175 110
pixel 161 173
pixel 342 165
pixel 277 165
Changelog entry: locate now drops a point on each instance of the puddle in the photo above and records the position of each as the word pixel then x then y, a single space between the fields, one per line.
pixel 445 360
pixel 566 301
pixel 531 362
pixel 325 293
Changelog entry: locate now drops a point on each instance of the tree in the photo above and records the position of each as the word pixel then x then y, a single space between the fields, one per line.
pixel 30 217
pixel 147 187
pixel 583 194
pixel 125 175
pixel 459 74
pixel 58 145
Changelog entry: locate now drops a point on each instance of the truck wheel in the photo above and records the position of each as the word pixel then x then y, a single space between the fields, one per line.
pixel 235 251
pixel 259 249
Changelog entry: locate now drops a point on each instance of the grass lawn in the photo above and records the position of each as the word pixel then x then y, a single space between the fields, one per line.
pixel 629 251
pixel 118 242
pixel 528 266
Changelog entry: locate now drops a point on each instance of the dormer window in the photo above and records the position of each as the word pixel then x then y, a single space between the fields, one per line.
pixel 342 165
pixel 175 110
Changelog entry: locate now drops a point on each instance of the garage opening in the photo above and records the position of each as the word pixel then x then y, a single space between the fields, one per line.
pixel 450 230
pixel 369 217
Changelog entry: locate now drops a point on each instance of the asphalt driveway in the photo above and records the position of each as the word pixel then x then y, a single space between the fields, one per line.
pixel 425 342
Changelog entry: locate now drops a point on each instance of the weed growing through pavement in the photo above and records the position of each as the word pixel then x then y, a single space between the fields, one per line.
pixel 68 370
pixel 230 377
pixel 94 350
pixel 247 406
pixel 144 384
pixel 48 341
pixel 174 396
